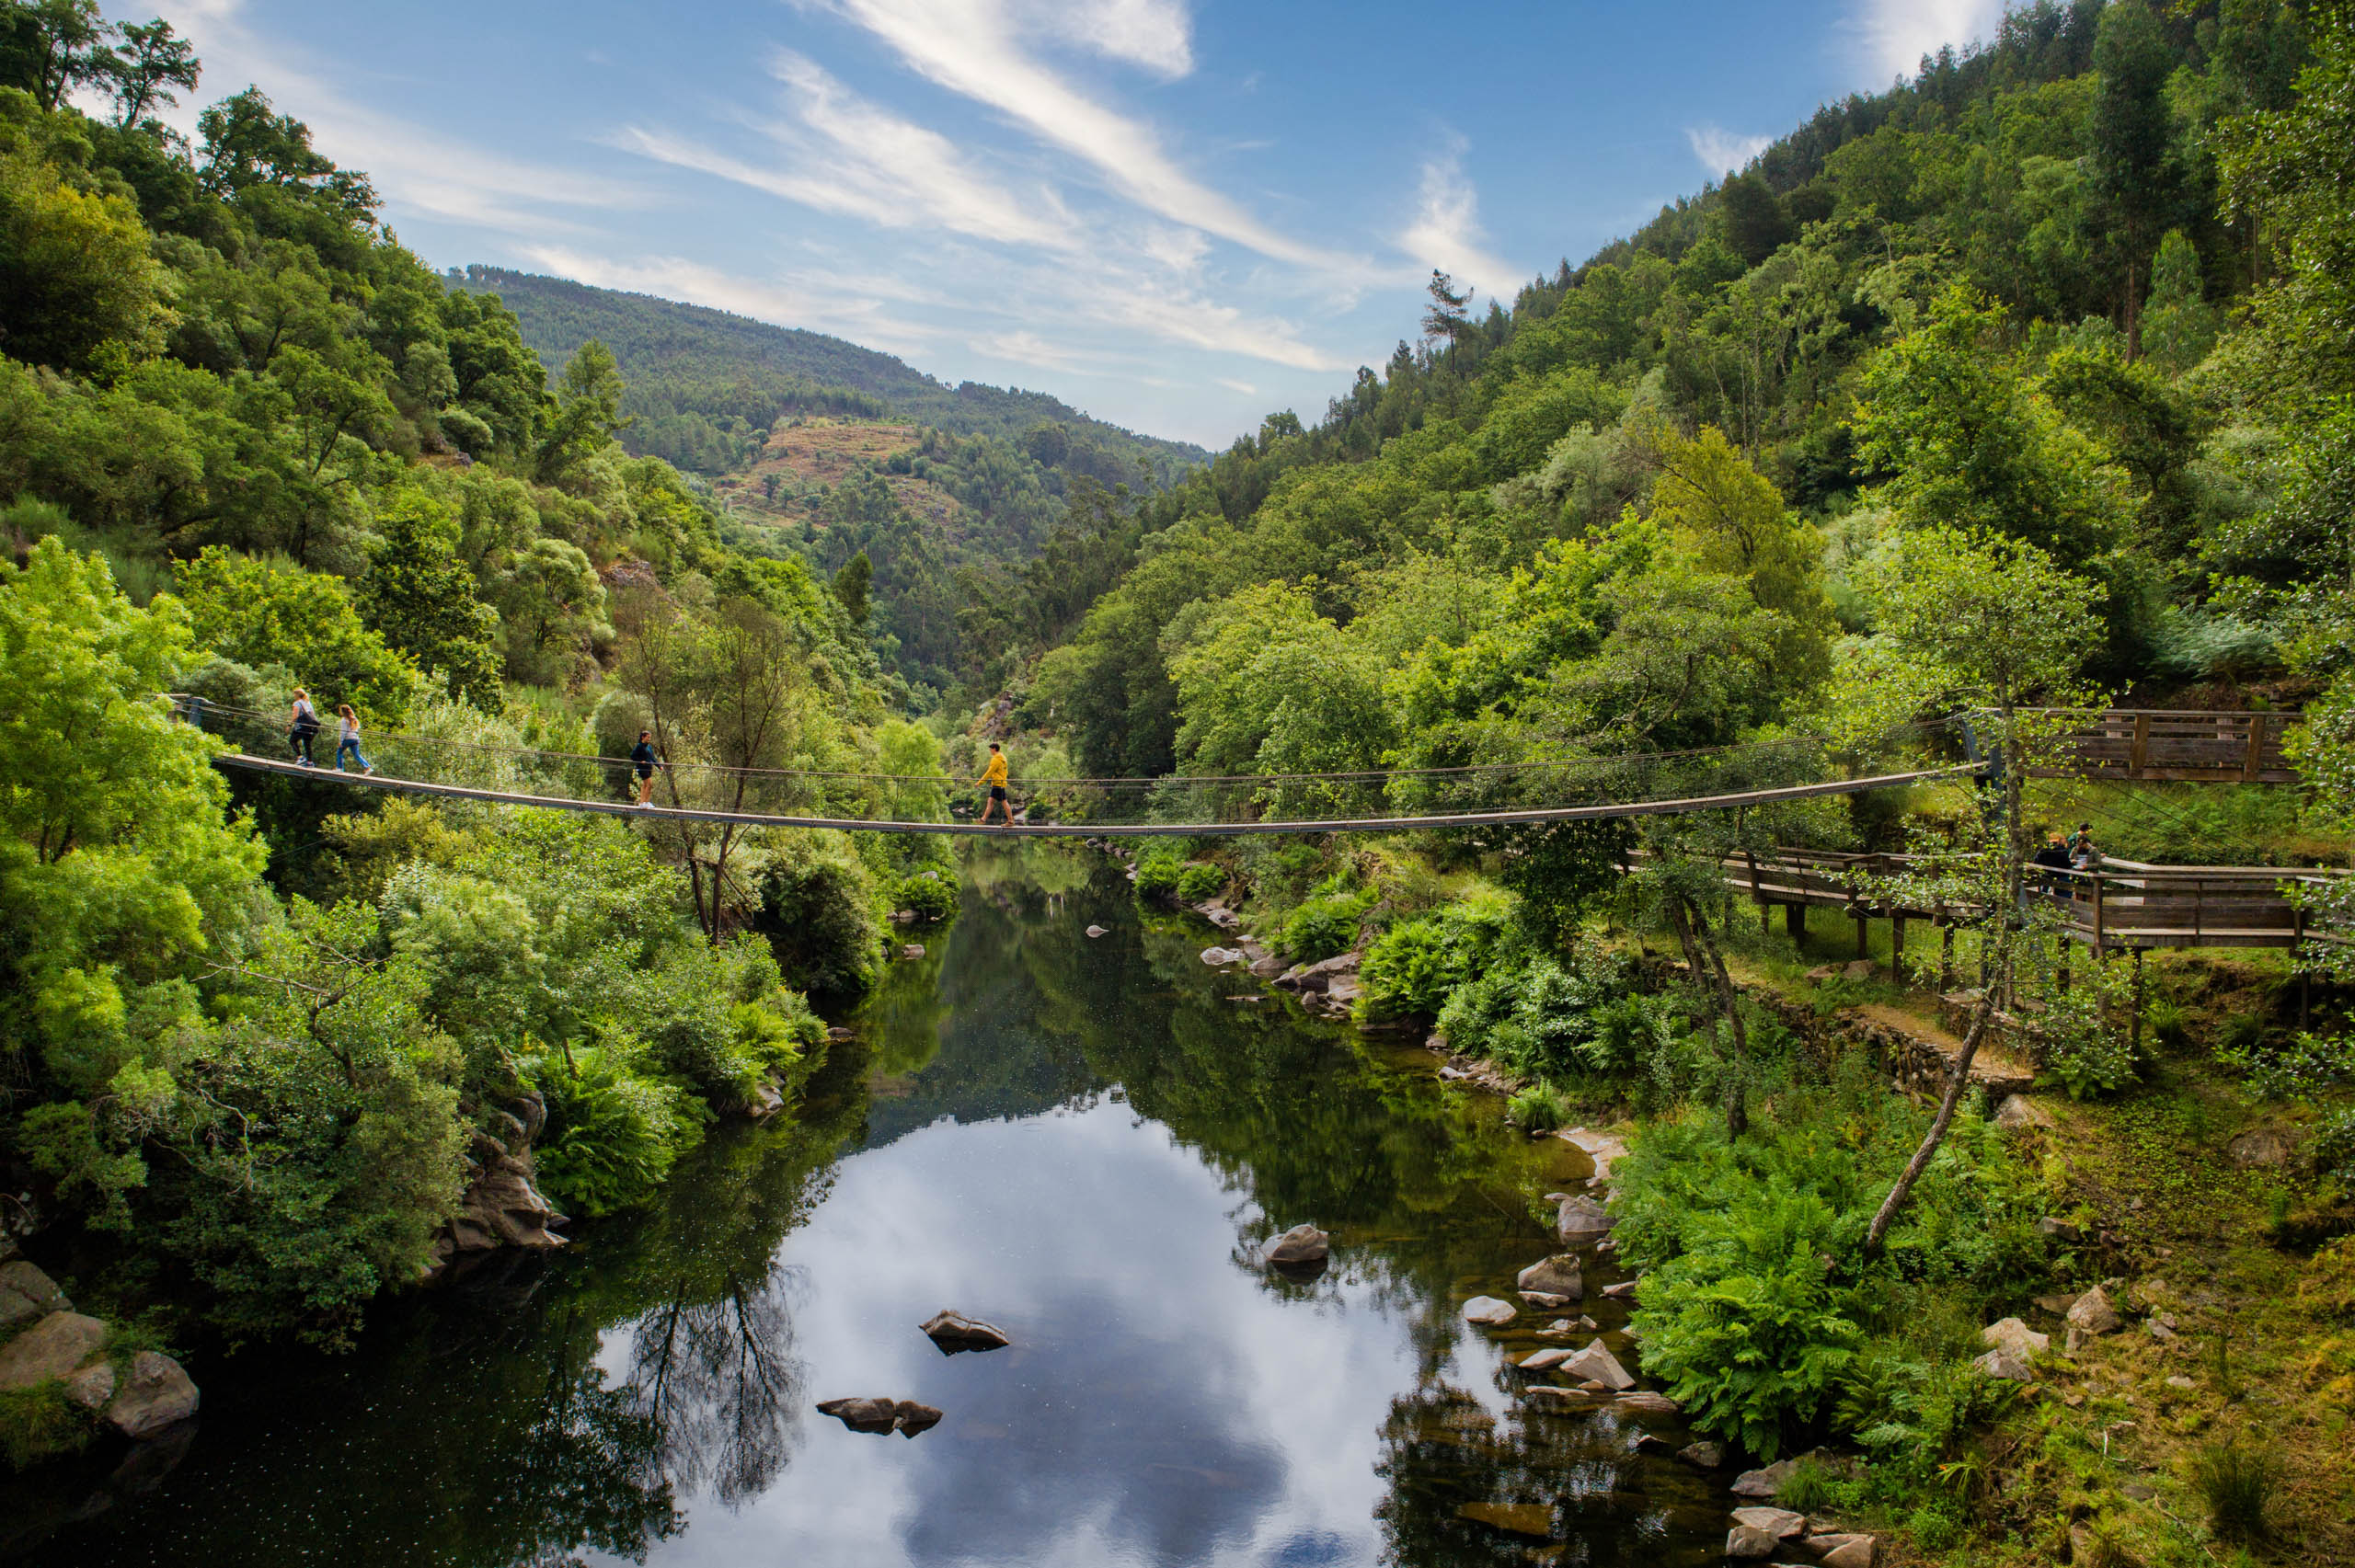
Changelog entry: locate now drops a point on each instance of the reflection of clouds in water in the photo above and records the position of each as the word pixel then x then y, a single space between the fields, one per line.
pixel 1159 1406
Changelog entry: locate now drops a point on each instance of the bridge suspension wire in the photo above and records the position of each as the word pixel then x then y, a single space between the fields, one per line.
pixel 1100 829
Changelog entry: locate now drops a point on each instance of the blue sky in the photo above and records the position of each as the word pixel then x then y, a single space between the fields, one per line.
pixel 1175 214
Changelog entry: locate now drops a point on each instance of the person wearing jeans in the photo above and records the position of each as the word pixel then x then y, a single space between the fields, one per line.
pixel 348 738
pixel 303 723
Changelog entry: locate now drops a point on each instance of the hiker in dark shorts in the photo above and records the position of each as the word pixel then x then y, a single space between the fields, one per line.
pixel 994 777
pixel 642 757
pixel 302 727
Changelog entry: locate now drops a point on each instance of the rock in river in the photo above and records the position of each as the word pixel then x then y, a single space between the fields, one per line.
pixel 156 1394
pixel 1302 1247
pixel 954 1332
pixel 1522 1519
pixel 53 1347
pixel 1582 1222
pixel 1599 1364
pixel 1556 1275
pixel 1491 1311
pixel 881 1415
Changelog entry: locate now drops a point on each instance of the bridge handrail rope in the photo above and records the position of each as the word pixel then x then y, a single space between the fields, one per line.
pixel 1588 760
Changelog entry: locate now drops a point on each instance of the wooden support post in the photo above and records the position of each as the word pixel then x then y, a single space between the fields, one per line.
pixel 1795 922
pixel 2140 757
pixel 1863 931
pixel 2137 1036
pixel 1946 957
pixel 2253 759
pixel 1897 944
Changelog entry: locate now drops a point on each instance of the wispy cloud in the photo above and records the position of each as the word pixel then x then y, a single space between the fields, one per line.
pixel 1445 233
pixel 1722 152
pixel 815 304
pixel 1893 35
pixel 977 50
pixel 416 167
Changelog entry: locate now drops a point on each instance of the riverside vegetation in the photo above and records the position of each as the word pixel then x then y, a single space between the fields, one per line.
pixel 2024 383
pixel 271 1050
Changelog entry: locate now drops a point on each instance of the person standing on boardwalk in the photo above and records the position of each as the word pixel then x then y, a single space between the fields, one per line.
pixel 993 779
pixel 347 738
pixel 302 725
pixel 642 757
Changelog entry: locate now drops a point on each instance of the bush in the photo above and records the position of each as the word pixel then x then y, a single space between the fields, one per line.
pixel 1416 963
pixel 1197 881
pixel 818 911
pixel 1538 1108
pixel 1160 863
pixel 2236 1479
pixel 932 895
pixel 1328 923
pixel 615 1128
pixel 42 1423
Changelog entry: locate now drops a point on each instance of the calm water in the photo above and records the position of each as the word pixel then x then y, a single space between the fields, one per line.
pixel 1079 1140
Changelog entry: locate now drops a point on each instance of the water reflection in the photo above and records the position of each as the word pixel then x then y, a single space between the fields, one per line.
pixel 1080 1140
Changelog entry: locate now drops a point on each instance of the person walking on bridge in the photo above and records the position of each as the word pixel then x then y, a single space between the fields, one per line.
pixel 993 779
pixel 347 738
pixel 303 726
pixel 642 757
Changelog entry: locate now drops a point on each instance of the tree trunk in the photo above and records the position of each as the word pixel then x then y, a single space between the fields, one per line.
pixel 1708 968
pixel 2134 313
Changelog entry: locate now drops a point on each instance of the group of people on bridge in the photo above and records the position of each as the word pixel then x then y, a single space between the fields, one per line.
pixel 304 726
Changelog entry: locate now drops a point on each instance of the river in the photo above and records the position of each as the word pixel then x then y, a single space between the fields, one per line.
pixel 1081 1140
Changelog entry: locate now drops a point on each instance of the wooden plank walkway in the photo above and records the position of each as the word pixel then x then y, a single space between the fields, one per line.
pixel 2207 746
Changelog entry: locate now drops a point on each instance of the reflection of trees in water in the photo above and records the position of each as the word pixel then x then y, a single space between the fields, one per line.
pixel 718 1381
pixel 593 1474
pixel 1566 1476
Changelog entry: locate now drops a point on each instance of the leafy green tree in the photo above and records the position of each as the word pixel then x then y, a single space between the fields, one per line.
pixel 2178 325
pixel 1972 447
pixel 78 287
pixel 550 601
pixel 1735 522
pixel 588 413
pixel 262 613
pixel 50 47
pixel 851 586
pixel 418 596
pixel 141 70
pixel 2130 141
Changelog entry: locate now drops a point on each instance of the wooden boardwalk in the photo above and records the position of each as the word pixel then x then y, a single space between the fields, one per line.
pixel 2162 745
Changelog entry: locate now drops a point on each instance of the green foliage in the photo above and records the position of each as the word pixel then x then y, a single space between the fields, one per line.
pixel 2236 1479
pixel 1197 881
pixel 262 613
pixel 1412 966
pixel 932 894
pixel 614 1127
pixel 1538 1108
pixel 419 597
pixel 818 910
pixel 42 1423
pixel 1326 924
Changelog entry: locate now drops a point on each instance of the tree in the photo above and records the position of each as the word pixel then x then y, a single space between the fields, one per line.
pixel 50 47
pixel 77 286
pixel 588 412
pixel 2179 323
pixel 150 60
pixel 1449 316
pixel 2128 140
pixel 1972 447
pixel 418 596
pixel 263 612
pixel 851 586
pixel 249 147
pixel 1735 522
pixel 1987 626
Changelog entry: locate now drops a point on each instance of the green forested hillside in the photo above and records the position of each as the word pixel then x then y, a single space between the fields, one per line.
pixel 2003 295
pixel 262 1042
pixel 937 481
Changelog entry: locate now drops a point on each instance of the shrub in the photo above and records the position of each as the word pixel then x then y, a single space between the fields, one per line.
pixel 1328 923
pixel 615 1129
pixel 1199 880
pixel 1415 964
pixel 1538 1108
pixel 932 895
pixel 2236 1479
pixel 1160 863
pixel 818 911
pixel 42 1423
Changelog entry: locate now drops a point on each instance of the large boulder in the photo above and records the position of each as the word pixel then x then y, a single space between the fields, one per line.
pixel 1703 1456
pixel 1302 1247
pixel 2006 1364
pixel 1743 1541
pixel 1599 1147
pixel 2010 1334
pixel 1582 1222
pixel 93 1385
pixel 155 1394
pixel 27 1293
pixel 502 1206
pixel 1556 1275
pixel 1489 1311
pixel 862 1415
pixel 1646 1402
pixel 2090 1316
pixel 1598 1364
pixel 911 1418
pixel 1765 1482
pixel 1780 1523
pixel 953 1331
pixel 1850 1550
pixel 2019 1113
pixel 57 1346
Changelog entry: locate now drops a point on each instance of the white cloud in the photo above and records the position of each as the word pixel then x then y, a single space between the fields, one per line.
pixel 1245 387
pixel 1445 233
pixel 1893 35
pixel 1029 349
pixel 1155 34
pixel 817 305
pixel 411 166
pixel 1723 151
pixel 974 47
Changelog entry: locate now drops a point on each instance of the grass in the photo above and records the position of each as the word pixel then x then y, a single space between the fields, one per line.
pixel 2236 1479
pixel 40 1423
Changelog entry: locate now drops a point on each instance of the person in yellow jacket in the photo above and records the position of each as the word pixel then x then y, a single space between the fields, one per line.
pixel 993 778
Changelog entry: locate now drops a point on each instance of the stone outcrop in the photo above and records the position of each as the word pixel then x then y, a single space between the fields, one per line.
pixel 1541 1360
pixel 27 1293
pixel 57 1346
pixel 953 1331
pixel 2016 1336
pixel 155 1394
pixel 1600 1147
pixel 882 1416
pixel 2090 1316
pixel 1489 1311
pixel 1582 1222
pixel 1302 1247
pixel 2005 1364
pixel 1703 1456
pixel 1744 1540
pixel 1556 1275
pixel 1599 1365
pixel 1780 1523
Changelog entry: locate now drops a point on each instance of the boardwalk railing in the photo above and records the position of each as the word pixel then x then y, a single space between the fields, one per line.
pixel 2159 744
pixel 2120 907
